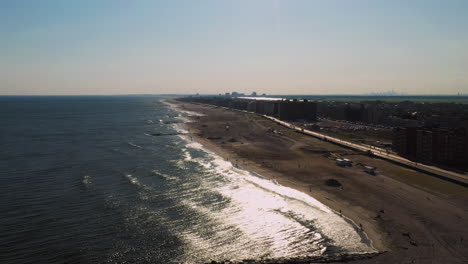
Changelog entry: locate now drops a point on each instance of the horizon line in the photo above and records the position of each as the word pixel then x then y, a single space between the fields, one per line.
pixel 222 94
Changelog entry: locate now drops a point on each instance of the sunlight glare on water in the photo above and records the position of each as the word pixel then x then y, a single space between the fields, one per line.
pixel 270 220
pixel 90 180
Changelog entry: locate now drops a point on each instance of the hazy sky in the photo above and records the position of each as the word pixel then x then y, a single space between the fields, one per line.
pixel 272 46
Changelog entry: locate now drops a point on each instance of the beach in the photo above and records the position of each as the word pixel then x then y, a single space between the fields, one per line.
pixel 116 179
pixel 410 217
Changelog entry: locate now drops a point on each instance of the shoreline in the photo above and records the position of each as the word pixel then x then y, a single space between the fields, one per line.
pixel 251 152
pixel 254 170
pixel 219 152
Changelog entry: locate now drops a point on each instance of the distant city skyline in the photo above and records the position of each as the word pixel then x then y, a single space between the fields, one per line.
pixel 54 47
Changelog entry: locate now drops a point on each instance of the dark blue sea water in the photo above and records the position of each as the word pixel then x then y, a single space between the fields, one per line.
pixel 83 180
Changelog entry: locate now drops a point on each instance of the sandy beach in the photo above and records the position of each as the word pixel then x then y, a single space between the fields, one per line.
pixel 410 216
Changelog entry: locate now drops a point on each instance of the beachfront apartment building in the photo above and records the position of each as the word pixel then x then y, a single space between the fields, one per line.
pixel 297 110
pixel 445 146
pixel 284 109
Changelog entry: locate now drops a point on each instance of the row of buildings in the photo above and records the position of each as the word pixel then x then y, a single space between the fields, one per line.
pixel 390 114
pixel 397 114
pixel 428 133
pixel 424 132
pixel 447 146
pixel 284 109
pixel 372 113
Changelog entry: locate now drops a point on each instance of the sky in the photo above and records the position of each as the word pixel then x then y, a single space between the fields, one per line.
pixel 56 47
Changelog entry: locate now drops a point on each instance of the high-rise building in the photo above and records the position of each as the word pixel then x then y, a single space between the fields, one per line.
pixel 432 145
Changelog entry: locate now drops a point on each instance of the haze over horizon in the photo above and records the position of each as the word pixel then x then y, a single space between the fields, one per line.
pixel 54 47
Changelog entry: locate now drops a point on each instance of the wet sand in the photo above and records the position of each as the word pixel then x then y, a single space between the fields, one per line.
pixel 412 217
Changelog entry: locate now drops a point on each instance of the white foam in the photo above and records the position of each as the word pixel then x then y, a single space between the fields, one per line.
pixel 182 111
pixel 86 180
pixel 164 175
pixel 256 192
pixel 133 179
pixel 267 212
pixel 179 128
pixel 186 154
pixel 134 145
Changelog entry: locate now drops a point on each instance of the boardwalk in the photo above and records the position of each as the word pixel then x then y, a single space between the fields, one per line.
pixel 381 153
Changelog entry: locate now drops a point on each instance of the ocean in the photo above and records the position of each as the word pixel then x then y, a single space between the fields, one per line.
pixel 89 179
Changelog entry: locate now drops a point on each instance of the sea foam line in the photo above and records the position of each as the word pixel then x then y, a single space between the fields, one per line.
pixel 343 230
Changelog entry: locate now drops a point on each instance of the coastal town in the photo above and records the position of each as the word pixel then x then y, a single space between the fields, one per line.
pixel 413 211
pixel 430 133
pixel 227 131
